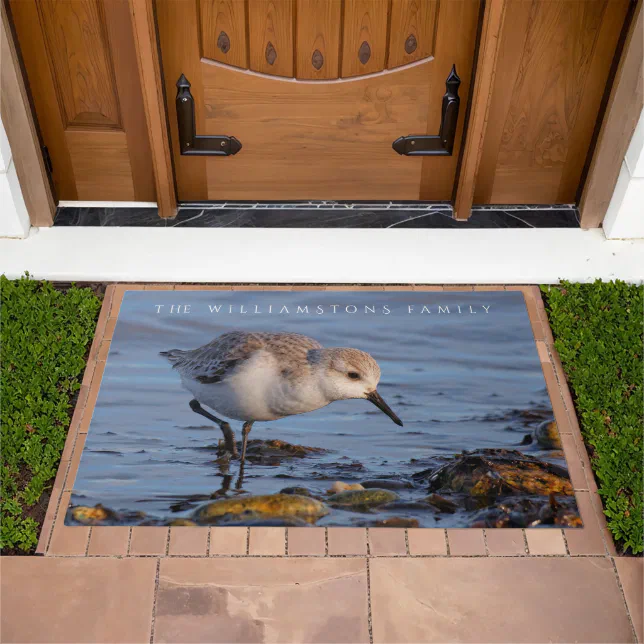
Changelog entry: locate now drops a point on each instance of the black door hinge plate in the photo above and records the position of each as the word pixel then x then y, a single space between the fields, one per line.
pixel 191 143
pixel 441 144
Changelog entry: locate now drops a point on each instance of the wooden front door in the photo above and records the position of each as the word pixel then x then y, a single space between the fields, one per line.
pixel 316 91
pixel 81 67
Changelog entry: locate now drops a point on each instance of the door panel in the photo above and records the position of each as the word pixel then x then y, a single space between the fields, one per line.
pixel 318 39
pixel 270 30
pixel 326 88
pixel 79 58
pixel 316 140
pixel 76 40
pixel 553 66
pixel 364 49
pixel 223 31
pixel 101 164
pixel 413 24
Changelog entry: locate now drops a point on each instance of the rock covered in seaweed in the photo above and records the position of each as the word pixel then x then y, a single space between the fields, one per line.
pixel 547 435
pixel 271 452
pixel 441 503
pixel 362 498
pixel 262 506
pixel 490 473
pixel 529 512
pixel 96 515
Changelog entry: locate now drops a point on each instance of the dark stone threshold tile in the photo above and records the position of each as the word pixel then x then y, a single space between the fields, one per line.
pixel 324 215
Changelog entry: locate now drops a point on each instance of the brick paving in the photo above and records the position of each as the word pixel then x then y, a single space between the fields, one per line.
pixel 200 584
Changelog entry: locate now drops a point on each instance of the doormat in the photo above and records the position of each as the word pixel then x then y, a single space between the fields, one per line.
pixel 327 408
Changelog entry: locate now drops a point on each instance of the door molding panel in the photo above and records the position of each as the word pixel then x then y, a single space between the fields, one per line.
pixel 318 39
pixel 78 50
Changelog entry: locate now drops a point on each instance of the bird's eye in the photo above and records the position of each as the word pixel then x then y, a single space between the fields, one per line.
pixel 353 375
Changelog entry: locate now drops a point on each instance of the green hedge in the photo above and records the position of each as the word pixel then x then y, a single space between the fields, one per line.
pixel 598 334
pixel 44 334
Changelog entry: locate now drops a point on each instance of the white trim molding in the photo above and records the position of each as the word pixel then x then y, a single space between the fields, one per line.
pixel 107 204
pixel 625 216
pixel 14 218
pixel 319 256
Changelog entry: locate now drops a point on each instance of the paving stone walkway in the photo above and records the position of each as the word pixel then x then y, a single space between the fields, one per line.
pixel 157 584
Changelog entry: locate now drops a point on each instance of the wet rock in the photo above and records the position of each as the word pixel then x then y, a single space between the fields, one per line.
pixel 266 506
pixel 387 484
pixel 547 435
pixel 93 515
pixel 181 522
pixel 271 452
pixel 339 486
pixel 441 503
pixel 363 498
pixel 529 512
pixel 559 512
pixel 396 522
pixel 527 440
pixel 490 473
pixel 301 491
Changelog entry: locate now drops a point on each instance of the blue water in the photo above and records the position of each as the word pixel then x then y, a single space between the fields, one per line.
pixel 451 377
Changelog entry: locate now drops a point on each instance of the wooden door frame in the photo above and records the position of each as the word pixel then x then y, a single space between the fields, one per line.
pixel 620 118
pixel 485 59
pixel 156 115
pixel 22 131
pixel 614 135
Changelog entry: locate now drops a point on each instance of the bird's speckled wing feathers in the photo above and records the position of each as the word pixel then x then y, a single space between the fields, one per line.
pixel 217 360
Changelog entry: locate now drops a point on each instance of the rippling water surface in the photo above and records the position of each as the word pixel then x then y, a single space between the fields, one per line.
pixel 454 380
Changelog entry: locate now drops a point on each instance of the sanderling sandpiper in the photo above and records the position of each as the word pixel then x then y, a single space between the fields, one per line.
pixel 266 376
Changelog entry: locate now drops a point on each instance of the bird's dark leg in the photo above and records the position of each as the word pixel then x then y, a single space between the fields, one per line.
pixel 229 436
pixel 245 431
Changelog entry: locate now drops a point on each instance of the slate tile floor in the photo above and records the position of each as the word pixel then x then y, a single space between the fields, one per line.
pixel 149 584
pixel 324 215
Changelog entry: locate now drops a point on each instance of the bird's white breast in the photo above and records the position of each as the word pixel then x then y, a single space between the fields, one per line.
pixel 258 391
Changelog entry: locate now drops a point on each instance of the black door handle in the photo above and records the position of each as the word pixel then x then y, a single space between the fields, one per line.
pixel 191 143
pixel 440 144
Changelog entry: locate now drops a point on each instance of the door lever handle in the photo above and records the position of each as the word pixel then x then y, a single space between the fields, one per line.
pixel 191 143
pixel 440 144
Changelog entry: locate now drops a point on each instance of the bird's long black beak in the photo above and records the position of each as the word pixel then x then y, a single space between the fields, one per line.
pixel 378 401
